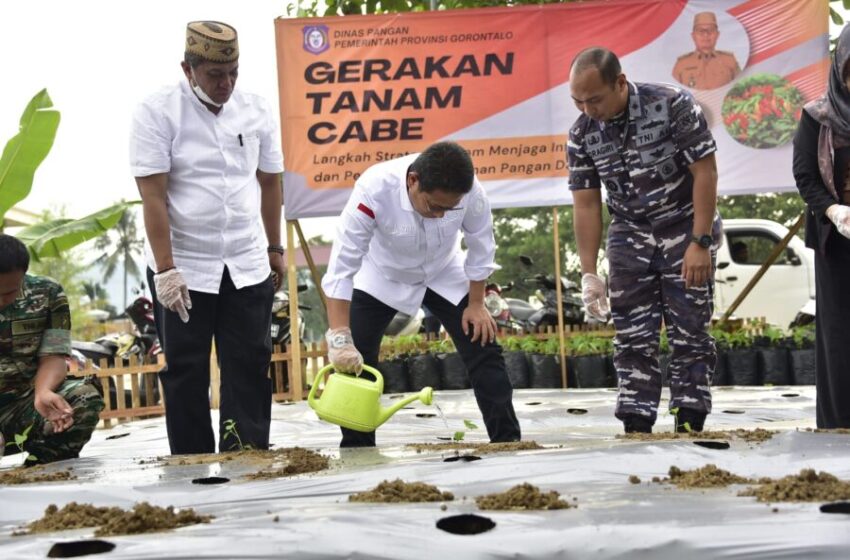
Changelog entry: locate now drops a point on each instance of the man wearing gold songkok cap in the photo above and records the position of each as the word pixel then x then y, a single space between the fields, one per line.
pixel 206 157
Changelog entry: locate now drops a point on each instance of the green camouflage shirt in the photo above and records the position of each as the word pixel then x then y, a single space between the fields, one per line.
pixel 37 324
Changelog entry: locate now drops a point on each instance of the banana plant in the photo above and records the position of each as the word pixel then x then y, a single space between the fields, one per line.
pixel 21 157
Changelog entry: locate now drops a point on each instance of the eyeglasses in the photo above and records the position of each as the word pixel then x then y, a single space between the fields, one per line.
pixel 434 208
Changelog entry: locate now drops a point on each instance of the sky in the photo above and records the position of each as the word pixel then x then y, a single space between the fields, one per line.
pixel 98 59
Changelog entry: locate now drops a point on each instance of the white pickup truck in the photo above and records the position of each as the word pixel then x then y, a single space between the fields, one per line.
pixel 785 288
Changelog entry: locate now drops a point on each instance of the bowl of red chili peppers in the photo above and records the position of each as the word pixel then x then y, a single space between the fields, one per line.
pixel 762 111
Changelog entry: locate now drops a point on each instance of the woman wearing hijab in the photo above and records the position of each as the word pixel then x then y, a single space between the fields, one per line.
pixel 822 172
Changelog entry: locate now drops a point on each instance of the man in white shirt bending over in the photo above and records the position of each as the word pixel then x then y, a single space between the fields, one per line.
pixel 397 247
pixel 207 161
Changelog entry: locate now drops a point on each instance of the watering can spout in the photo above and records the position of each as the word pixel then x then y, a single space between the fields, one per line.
pixel 426 395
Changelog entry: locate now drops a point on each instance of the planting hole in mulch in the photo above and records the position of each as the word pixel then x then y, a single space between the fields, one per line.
pixel 211 480
pixel 117 436
pixel 790 395
pixel 533 403
pixel 463 458
pixel 286 403
pixel 713 444
pixel 445 438
pixel 523 496
pixel 577 411
pixel 399 491
pixel 467 524
pixel 143 518
pixel 426 415
pixel 836 507
pixel 72 549
pixel 734 412
pixel 391 397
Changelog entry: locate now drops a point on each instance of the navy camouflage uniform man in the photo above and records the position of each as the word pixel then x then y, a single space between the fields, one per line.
pixel 650 147
pixel 35 338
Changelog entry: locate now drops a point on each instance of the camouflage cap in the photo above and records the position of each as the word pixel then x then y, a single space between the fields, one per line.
pixel 212 40
pixel 705 18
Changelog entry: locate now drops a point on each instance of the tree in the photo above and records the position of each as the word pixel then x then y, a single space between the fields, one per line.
pixel 22 155
pixel 121 248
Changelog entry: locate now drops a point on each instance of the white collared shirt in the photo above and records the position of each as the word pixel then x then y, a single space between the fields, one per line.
pixel 213 193
pixel 387 249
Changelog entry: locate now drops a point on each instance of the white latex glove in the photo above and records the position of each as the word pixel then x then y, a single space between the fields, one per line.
pixel 173 293
pixel 341 351
pixel 595 298
pixel 840 216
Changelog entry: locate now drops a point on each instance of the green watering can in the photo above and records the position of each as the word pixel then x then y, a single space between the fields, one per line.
pixel 355 402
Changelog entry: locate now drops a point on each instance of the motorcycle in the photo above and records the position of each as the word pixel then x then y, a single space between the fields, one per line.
pixel 404 324
pixel 142 342
pixel 531 319
pixel 498 307
pixel 280 326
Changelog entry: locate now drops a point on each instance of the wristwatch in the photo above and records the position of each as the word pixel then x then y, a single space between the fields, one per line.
pixel 703 241
pixel 275 249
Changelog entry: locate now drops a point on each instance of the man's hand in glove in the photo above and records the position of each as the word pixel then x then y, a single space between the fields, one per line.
pixel 173 293
pixel 595 298
pixel 341 351
pixel 840 216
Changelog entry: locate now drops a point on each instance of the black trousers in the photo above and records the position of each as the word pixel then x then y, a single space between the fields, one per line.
pixel 239 320
pixel 485 364
pixel 832 274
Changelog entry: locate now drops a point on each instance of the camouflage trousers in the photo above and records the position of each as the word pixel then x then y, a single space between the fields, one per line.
pixel 642 294
pixel 19 414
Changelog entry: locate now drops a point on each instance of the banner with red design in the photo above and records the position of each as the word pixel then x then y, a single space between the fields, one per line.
pixel 359 90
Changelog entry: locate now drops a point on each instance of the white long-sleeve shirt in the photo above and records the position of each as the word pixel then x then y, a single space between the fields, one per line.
pixel 213 194
pixel 385 248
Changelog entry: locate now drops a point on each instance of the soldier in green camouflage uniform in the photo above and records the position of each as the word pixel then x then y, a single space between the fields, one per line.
pixel 35 338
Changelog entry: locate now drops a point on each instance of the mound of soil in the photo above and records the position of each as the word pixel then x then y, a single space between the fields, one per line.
pixel 523 496
pixel 808 486
pixel 478 447
pixel 758 435
pixel 298 461
pixel 143 518
pixel 829 430
pixel 33 475
pixel 708 476
pixel 400 491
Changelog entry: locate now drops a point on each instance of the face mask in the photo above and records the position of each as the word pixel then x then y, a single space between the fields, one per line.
pixel 202 94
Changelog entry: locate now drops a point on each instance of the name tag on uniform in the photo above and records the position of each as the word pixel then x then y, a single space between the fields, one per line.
pixel 29 326
pixel 596 148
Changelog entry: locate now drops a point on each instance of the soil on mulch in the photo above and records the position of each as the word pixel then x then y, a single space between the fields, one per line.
pixel 829 430
pixel 298 461
pixel 634 479
pixel 808 486
pixel 523 496
pixel 399 491
pixel 478 447
pixel 708 476
pixel 31 475
pixel 757 436
pixel 287 461
pixel 143 518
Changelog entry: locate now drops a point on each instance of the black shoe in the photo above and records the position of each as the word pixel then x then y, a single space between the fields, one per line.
pixel 636 424
pixel 693 418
